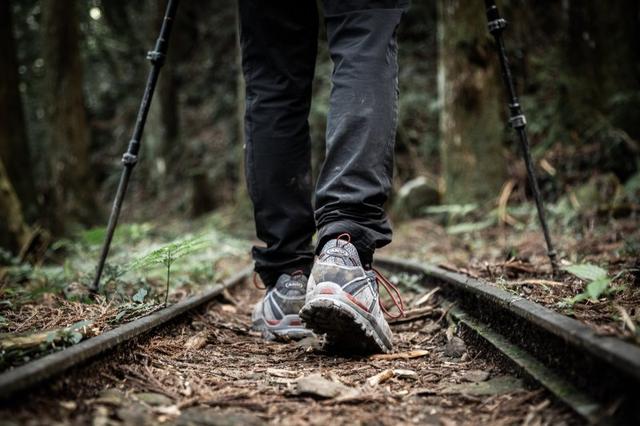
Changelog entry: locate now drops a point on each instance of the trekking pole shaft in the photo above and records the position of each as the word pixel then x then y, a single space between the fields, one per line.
pixel 130 157
pixel 518 121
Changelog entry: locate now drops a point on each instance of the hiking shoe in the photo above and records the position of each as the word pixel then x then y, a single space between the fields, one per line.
pixel 343 301
pixel 276 315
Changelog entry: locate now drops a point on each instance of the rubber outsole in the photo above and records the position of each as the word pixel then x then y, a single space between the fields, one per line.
pixel 346 331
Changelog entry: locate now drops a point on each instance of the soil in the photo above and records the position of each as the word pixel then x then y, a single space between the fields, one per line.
pixel 211 369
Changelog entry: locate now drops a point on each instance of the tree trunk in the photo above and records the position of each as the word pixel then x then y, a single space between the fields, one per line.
pixel 14 146
pixel 471 118
pixel 14 233
pixel 68 129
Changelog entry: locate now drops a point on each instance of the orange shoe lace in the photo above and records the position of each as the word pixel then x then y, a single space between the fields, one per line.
pixel 393 291
pixel 255 282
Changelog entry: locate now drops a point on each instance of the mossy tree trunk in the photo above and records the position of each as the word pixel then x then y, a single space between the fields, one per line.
pixel 14 233
pixel 14 146
pixel 472 100
pixel 67 119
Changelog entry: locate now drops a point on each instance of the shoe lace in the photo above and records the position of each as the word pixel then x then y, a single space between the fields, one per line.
pixel 346 237
pixel 393 292
pixel 255 282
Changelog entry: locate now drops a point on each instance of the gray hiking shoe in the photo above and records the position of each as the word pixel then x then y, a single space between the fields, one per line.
pixel 276 315
pixel 343 301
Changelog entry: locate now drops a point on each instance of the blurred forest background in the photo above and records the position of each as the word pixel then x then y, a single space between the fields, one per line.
pixel 72 73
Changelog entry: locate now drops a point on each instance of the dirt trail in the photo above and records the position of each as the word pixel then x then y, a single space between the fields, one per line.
pixel 210 369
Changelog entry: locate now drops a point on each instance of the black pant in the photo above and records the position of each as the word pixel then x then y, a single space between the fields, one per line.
pixel 279 45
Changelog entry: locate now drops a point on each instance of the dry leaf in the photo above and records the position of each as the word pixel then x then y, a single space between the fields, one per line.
pixel 278 372
pixel 317 385
pixel 407 374
pixel 198 341
pixel 417 353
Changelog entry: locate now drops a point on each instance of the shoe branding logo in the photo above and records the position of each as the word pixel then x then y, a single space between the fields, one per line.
pixel 337 251
pixel 293 284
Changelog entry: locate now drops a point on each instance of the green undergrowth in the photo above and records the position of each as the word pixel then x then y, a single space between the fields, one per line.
pixel 147 263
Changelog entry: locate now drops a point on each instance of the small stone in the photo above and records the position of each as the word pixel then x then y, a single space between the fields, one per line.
pixel 110 396
pixel 475 376
pixel 415 196
pixel 455 348
pixel 154 399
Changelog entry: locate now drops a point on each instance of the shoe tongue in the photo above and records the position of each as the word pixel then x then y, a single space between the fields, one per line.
pixel 340 252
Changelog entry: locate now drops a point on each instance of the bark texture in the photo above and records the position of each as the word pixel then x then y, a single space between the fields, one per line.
pixel 67 118
pixel 14 147
pixel 14 233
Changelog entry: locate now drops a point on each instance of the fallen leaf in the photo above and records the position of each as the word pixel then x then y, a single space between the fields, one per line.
pixel 277 372
pixel 417 353
pixel 381 377
pixel 424 299
pixel 318 386
pixel 407 374
pixel 198 341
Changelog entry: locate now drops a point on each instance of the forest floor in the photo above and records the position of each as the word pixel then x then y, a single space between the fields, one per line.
pixel 210 369
pixel 212 366
pixel 516 261
pixel 46 307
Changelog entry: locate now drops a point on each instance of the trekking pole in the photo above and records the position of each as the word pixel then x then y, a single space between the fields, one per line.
pixel 130 158
pixel 518 121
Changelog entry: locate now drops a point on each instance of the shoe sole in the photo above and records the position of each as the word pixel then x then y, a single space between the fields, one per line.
pixel 346 329
pixel 283 332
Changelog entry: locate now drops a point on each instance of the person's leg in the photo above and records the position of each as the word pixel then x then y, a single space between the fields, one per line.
pixel 355 179
pixel 342 299
pixel 279 44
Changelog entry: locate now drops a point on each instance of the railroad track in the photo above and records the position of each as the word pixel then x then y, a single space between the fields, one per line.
pixel 597 376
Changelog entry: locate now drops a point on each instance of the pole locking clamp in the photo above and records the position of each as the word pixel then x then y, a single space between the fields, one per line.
pixel 155 57
pixel 129 159
pixel 518 121
pixel 497 25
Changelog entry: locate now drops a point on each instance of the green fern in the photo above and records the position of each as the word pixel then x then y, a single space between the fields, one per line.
pixel 167 255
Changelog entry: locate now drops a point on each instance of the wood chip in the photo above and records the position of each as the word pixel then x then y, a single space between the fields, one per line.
pixel 626 318
pixel 424 299
pixel 413 315
pixel 417 353
pixel 278 372
pixel 381 377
